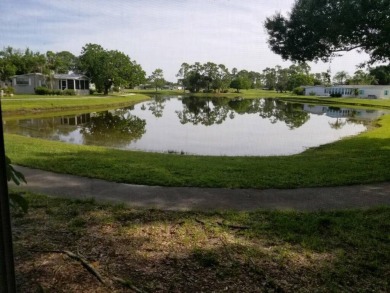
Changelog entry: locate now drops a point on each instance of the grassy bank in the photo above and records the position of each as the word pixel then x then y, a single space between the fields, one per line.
pixel 30 104
pixel 160 251
pixel 361 159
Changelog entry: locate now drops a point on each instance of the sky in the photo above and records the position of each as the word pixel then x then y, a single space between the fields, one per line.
pixel 156 33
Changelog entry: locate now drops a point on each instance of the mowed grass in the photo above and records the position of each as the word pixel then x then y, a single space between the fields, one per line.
pixel 26 104
pixel 361 159
pixel 167 251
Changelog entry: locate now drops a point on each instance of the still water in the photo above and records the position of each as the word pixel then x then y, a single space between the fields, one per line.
pixel 204 126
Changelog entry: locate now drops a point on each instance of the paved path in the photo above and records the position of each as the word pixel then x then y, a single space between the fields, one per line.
pixel 189 198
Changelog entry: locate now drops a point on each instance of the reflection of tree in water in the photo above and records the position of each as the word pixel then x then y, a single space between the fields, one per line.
pixel 156 106
pixel 208 111
pixel 338 124
pixel 275 110
pixel 205 111
pixel 109 129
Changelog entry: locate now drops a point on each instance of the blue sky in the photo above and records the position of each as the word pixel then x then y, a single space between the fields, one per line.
pixel 155 33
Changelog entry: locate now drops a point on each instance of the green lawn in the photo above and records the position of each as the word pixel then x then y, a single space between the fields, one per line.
pixel 30 104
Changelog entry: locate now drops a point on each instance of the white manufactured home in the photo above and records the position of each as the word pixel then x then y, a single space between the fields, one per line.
pixel 359 91
pixel 26 83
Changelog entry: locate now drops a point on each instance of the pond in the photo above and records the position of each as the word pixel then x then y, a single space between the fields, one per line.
pixel 204 126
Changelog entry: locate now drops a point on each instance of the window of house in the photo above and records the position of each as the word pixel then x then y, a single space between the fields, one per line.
pixel 63 84
pixel 77 84
pixel 386 92
pixel 361 92
pixel 23 81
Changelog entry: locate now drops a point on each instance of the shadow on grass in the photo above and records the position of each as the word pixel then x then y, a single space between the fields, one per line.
pixel 159 251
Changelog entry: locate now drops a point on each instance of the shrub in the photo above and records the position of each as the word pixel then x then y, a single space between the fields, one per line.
pixel 115 89
pixel 68 92
pixel 312 93
pixel 92 91
pixel 9 90
pixel 41 90
pixel 300 91
pixel 336 95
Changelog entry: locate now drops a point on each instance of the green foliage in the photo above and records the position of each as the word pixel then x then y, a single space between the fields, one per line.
pixel 198 77
pixel 14 61
pixel 336 95
pixel 381 74
pixel 341 77
pixel 9 90
pixel 41 90
pixel 300 91
pixel 16 200
pixel 44 91
pixel 316 30
pixel 157 79
pixel 361 77
pixel 68 92
pixel 108 68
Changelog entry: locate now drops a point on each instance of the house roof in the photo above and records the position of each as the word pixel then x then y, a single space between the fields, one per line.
pixel 70 76
pixel 56 76
pixel 40 74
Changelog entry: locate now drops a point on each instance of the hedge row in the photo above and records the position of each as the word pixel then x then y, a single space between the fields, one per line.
pixel 45 91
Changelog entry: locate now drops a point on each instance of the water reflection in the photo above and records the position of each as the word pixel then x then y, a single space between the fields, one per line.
pixel 275 110
pixel 209 111
pixel 156 106
pixel 204 111
pixel 116 129
pixel 206 126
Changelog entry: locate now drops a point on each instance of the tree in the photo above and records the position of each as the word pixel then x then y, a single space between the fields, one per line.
pixel 316 30
pixel 108 68
pixel 381 74
pixel 14 61
pixel 269 76
pixel 361 77
pixel 340 77
pixel 222 80
pixel 183 75
pixel 240 82
pixel 157 78
pixel 282 77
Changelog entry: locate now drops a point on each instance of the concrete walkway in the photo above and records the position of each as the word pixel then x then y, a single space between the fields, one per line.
pixel 190 198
